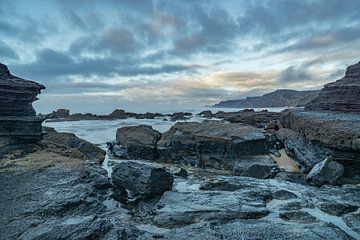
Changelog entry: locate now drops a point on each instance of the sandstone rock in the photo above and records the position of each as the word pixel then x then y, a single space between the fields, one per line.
pixel 18 123
pixel 144 180
pixel 139 141
pixel 258 166
pixel 326 171
pixel 210 144
pixel 342 95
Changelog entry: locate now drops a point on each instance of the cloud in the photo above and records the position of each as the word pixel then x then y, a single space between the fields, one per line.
pixel 6 52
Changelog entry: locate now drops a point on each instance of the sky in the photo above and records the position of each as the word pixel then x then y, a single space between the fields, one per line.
pixel 139 55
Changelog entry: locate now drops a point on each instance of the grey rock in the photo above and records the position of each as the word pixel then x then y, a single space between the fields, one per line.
pixel 305 153
pixel 139 141
pixel 298 216
pixel 337 208
pixel 179 171
pixel 143 179
pixel 353 221
pixel 210 144
pixel 327 171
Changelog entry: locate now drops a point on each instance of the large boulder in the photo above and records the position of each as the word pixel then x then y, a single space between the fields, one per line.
pixel 139 141
pixel 342 95
pixel 327 171
pixel 142 179
pixel 211 144
pixel 18 123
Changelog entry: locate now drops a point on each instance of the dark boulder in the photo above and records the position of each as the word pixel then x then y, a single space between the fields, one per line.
pixel 142 179
pixel 139 141
pixel 326 171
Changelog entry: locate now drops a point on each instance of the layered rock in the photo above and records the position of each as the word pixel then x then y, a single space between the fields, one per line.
pixel 324 134
pixel 342 95
pixel 18 122
pixel 211 144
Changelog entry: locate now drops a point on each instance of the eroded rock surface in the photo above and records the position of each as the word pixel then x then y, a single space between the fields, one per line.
pixel 18 123
pixel 143 179
pixel 342 95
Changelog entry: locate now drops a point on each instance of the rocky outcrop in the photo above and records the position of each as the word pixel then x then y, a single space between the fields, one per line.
pixel 18 123
pixel 278 98
pixel 342 95
pixel 139 142
pixel 326 171
pixel 211 144
pixel 48 193
pixel 336 134
pixel 142 179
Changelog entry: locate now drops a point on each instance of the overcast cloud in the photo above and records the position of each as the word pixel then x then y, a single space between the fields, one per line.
pixel 142 54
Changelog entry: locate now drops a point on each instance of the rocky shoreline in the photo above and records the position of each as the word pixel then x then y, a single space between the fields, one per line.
pixel 239 175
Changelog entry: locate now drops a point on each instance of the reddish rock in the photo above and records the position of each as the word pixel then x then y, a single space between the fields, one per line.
pixel 18 122
pixel 342 95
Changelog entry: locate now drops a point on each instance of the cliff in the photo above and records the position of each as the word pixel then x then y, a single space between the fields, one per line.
pixel 278 98
pixel 342 95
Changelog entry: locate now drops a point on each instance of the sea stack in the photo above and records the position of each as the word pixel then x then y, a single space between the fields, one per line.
pixel 342 95
pixel 18 120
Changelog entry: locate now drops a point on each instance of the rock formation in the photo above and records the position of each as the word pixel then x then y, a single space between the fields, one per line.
pixel 18 122
pixel 342 95
pixel 278 98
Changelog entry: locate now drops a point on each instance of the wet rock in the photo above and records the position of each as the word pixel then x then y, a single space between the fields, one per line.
pixel 206 114
pixel 305 153
pixel 257 229
pixel 353 221
pixel 180 116
pixel 185 208
pixel 210 144
pixel 51 196
pixel 139 141
pixel 337 208
pixel 342 95
pixel 292 177
pixel 258 166
pixel 258 171
pixel 143 179
pixel 327 171
pixel 298 216
pixel 284 195
pixel 179 171
pixel 336 133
